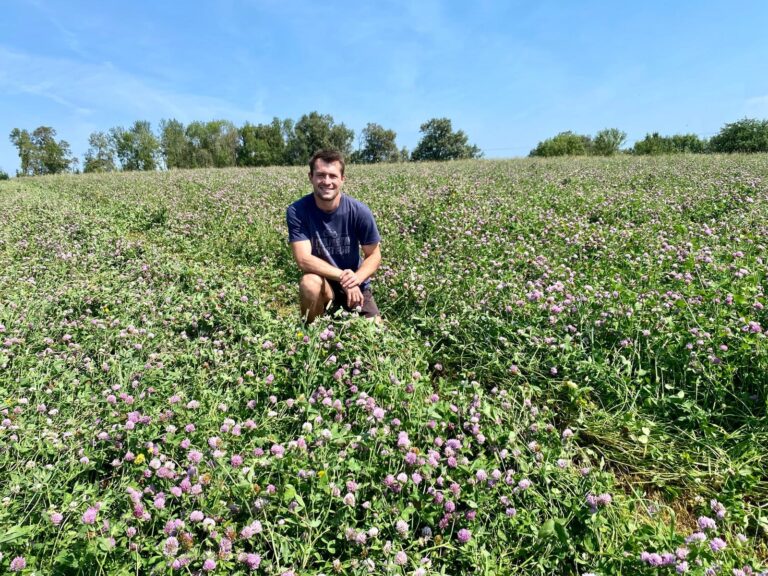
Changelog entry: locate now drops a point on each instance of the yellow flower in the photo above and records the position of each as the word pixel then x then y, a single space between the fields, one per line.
pixel 321 473
pixel 139 459
pixel 299 334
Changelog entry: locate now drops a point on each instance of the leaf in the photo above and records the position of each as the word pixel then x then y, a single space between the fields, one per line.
pixel 15 533
pixel 562 532
pixel 547 529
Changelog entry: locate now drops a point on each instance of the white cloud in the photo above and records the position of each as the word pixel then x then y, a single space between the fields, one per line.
pixel 103 89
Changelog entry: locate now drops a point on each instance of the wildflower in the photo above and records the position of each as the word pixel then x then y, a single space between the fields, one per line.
pixel 89 516
pixel 706 523
pixel 56 518
pixel 402 528
pixel 18 564
pixel 401 558
pixel 717 544
pixel 171 546
pixel 464 536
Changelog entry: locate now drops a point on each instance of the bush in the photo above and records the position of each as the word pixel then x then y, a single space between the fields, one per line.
pixel 654 144
pixel 564 144
pixel 747 135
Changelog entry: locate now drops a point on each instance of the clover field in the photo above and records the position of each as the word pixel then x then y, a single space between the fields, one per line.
pixel 570 379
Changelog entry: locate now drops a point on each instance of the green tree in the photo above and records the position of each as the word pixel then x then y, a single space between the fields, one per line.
pixel 174 146
pixel 377 145
pixel 608 142
pixel 137 148
pixel 747 135
pixel 655 144
pixel 23 142
pixel 313 132
pixel 212 144
pixel 563 144
pixel 262 144
pixel 40 153
pixel 440 142
pixel 4 175
pixel 101 154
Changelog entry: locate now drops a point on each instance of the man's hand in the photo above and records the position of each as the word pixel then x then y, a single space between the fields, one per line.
pixel 354 297
pixel 348 279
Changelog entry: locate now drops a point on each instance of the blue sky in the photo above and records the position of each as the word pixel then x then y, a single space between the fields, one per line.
pixel 507 73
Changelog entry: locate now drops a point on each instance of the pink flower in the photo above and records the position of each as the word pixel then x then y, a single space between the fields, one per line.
pixel 464 536
pixel 56 518
pixel 89 516
pixel 18 564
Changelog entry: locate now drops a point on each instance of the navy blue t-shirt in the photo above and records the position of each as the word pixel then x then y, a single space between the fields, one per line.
pixel 336 236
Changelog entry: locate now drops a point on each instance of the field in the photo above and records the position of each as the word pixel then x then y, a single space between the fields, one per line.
pixel 570 379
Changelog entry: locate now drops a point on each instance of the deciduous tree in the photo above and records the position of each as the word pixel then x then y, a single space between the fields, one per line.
pixel 137 148
pixel 747 135
pixel 313 132
pixel 377 145
pixel 440 142
pixel 101 154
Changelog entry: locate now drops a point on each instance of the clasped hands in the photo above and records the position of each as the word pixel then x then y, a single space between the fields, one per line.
pixel 350 283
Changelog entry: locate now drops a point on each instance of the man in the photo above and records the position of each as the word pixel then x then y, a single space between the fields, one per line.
pixel 327 230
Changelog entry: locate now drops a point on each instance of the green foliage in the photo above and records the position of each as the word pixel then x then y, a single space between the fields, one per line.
pixel 101 154
pixel 655 144
pixel 573 368
pixel 440 142
pixel 173 145
pixel 137 148
pixel 4 175
pixel 40 153
pixel 607 142
pixel 313 132
pixel 748 135
pixel 263 144
pixel 377 145
pixel 212 144
pixel 564 144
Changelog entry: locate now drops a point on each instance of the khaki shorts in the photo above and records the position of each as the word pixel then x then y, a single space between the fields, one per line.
pixel 369 308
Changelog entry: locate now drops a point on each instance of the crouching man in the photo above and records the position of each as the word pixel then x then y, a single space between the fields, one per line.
pixel 327 231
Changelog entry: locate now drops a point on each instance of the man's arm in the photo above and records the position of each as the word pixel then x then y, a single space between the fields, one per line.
pixel 309 264
pixel 372 259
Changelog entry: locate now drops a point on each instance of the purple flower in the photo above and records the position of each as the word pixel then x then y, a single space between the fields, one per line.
pixel 56 518
pixel 18 564
pixel 464 536
pixel 401 558
pixel 251 560
pixel 89 517
pixel 706 523
pixel 171 546
pixel 717 544
pixel 209 565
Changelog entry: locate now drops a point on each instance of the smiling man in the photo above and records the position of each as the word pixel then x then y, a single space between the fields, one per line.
pixel 327 231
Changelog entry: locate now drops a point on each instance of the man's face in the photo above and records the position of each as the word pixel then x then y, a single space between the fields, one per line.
pixel 326 181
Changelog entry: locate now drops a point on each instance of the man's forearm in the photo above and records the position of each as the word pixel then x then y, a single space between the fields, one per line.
pixel 368 267
pixel 314 265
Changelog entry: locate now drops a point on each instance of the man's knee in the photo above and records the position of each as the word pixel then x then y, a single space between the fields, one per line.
pixel 311 286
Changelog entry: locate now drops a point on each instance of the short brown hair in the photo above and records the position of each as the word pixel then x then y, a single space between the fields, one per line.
pixel 326 156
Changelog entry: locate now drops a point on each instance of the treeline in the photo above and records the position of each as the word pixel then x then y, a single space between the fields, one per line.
pixel 220 144
pixel 746 136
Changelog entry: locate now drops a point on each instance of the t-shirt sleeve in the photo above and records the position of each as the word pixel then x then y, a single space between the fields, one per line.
pixel 297 228
pixel 367 232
